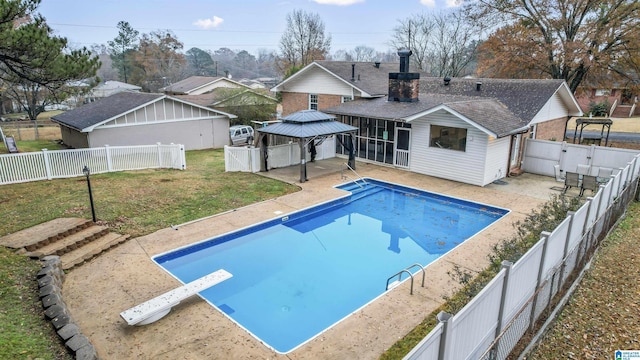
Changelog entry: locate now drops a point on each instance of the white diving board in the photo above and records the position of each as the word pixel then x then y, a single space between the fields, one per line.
pixel 156 308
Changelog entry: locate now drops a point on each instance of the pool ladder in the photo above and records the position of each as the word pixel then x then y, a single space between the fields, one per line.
pixel 344 176
pixel 399 275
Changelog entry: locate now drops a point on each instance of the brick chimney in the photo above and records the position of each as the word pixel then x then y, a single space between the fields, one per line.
pixel 403 85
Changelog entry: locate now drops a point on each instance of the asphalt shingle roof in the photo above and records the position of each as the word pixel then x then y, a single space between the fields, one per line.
pixel 491 114
pixel 104 109
pixel 523 97
pixel 369 78
pixel 189 84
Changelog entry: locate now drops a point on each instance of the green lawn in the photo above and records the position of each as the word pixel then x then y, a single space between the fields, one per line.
pixel 139 202
pixel 133 202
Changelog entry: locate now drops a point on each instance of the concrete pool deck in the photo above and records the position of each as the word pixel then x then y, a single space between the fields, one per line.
pixel 97 291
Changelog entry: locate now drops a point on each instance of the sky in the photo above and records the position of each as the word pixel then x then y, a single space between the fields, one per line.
pixel 250 25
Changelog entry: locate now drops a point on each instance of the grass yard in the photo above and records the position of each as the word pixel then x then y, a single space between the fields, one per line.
pixel 139 202
pixel 134 202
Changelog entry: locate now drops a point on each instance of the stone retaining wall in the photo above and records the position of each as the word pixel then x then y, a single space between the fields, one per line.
pixel 50 279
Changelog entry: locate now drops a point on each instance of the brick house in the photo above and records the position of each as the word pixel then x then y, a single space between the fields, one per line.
pixel 468 130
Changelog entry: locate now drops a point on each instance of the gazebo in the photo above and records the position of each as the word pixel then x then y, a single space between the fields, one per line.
pixel 584 122
pixel 307 126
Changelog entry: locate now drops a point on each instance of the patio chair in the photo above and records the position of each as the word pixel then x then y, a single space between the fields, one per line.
pixel 589 183
pixel 571 180
pixel 604 174
pixel 583 169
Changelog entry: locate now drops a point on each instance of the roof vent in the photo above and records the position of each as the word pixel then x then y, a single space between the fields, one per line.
pixel 478 86
pixel 353 72
pixel 447 80
pixel 377 64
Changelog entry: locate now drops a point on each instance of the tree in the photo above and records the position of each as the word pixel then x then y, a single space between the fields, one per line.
pixel 158 61
pixel 35 65
pixel 304 40
pixel 121 47
pixel 562 39
pixel 416 34
pixel 199 62
pixel 442 44
pixel 106 71
pixel 246 104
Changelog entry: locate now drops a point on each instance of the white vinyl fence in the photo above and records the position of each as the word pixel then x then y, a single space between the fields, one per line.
pixel 491 324
pixel 541 156
pixel 247 159
pixel 55 164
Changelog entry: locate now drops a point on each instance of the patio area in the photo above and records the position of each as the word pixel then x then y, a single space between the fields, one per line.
pixel 125 276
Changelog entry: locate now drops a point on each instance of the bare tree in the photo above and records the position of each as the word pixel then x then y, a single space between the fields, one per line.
pixel 415 33
pixel 364 53
pixel 441 43
pixel 454 47
pixel 304 40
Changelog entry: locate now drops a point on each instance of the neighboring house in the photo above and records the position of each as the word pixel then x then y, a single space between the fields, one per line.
pixel 254 84
pixel 130 118
pixel 109 88
pixel 467 130
pixel 226 95
pixel 621 102
pixel 198 85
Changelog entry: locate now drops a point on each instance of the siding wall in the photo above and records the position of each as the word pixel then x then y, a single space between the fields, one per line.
pixel 74 139
pixel 467 167
pixel 497 159
pixel 553 109
pixel 195 134
pixel 318 81
pixel 163 110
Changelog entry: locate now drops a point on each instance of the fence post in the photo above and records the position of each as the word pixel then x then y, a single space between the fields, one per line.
pixel 47 166
pixel 183 158
pixel 444 318
pixel 570 215
pixel 545 241
pixel 159 154
pixel 506 265
pixel 108 153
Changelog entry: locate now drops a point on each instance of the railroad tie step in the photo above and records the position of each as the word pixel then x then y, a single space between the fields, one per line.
pixel 91 250
pixel 71 242
pixel 79 225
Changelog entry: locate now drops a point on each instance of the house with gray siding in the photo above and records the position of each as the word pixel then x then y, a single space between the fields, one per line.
pixel 131 118
pixel 467 130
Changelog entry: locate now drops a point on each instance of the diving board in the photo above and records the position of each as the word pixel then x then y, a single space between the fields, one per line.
pixel 156 308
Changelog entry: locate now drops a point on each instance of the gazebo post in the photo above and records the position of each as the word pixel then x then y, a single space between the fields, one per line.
pixel 303 158
pixel 264 152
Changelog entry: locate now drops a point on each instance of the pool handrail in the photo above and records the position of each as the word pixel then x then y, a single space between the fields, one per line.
pixel 358 175
pixel 399 275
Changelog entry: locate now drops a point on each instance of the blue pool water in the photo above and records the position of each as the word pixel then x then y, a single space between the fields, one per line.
pixel 295 276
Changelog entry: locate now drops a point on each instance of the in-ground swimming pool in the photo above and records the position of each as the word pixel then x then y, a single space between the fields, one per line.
pixel 296 276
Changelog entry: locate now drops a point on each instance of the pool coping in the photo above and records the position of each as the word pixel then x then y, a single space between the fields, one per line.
pixel 97 291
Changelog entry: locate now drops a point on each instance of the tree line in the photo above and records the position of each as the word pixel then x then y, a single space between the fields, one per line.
pixel 575 40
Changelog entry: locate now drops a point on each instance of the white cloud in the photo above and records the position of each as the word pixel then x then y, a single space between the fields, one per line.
pixel 212 23
pixel 429 3
pixel 338 2
pixel 454 3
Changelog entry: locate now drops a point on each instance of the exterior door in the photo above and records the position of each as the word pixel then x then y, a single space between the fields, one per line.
pixel 401 152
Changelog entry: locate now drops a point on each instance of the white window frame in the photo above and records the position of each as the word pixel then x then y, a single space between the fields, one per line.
pixel 313 101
